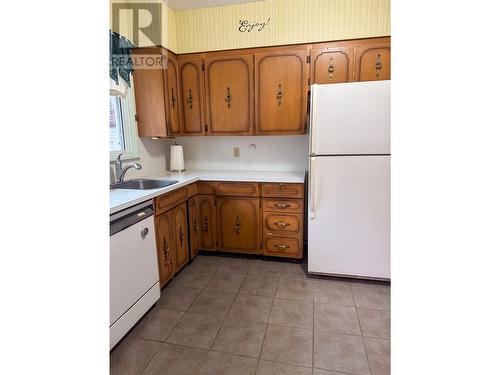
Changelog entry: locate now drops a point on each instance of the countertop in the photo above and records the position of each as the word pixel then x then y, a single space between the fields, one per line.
pixel 120 199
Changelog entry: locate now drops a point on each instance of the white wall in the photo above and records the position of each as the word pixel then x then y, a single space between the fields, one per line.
pixel 271 153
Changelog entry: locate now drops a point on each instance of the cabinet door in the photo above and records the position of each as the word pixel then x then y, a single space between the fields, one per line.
pixel 150 100
pixel 179 221
pixel 191 100
pixel 373 60
pixel 172 87
pixel 229 93
pixel 333 64
pixel 164 246
pixel 208 222
pixel 281 92
pixel 194 228
pixel 239 224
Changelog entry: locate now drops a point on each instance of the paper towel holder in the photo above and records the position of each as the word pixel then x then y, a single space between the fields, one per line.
pixel 177 158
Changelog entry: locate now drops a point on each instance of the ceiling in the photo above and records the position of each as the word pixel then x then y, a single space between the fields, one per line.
pixel 192 4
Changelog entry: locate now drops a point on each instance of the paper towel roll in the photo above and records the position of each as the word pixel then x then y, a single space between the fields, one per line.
pixel 176 158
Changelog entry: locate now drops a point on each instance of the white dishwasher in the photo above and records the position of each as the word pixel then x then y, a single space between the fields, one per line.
pixel 134 279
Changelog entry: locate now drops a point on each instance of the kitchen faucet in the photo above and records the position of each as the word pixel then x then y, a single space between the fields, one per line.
pixel 120 170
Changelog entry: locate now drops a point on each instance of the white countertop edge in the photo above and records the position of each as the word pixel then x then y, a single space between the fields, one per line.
pixel 121 199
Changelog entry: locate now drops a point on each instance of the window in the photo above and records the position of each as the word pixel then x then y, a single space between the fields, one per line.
pixel 122 124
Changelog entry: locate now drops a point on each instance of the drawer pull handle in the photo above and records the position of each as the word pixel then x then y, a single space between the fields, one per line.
pixel 281 223
pixel 190 99
pixel 281 246
pixel 228 97
pixel 279 94
pixel 281 205
pixel 378 65
pixel 237 225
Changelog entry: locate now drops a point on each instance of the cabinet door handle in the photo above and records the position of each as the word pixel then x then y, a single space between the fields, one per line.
pixel 237 225
pixel 281 205
pixel 281 223
pixel 190 99
pixel 144 232
pixel 205 224
pixel 331 69
pixel 173 99
pixel 281 246
pixel 279 94
pixel 228 97
pixel 181 235
pixel 378 65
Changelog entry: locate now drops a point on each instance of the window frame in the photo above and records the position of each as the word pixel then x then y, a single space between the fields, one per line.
pixel 130 134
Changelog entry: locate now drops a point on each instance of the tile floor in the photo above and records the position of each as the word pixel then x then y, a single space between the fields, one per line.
pixel 235 316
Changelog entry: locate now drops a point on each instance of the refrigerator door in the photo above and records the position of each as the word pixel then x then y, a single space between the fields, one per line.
pixel 350 118
pixel 349 216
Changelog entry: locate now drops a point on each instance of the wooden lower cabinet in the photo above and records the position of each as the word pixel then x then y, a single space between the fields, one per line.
pixel 283 246
pixel 165 247
pixel 207 218
pixel 180 236
pixel 239 225
pixel 194 227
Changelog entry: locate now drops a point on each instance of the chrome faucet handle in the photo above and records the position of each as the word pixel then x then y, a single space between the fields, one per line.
pixel 119 159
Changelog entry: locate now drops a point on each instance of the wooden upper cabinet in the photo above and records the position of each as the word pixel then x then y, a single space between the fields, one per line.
pixel 165 247
pixel 191 99
pixel 150 97
pixel 180 235
pixel 207 222
pixel 281 92
pixel 373 59
pixel 229 93
pixel 172 87
pixel 332 64
pixel 239 224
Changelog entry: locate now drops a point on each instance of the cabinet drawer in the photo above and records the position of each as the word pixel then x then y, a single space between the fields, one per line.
pixel 283 205
pixel 290 246
pixel 238 189
pixel 170 200
pixel 283 190
pixel 206 187
pixel 287 223
pixel 192 190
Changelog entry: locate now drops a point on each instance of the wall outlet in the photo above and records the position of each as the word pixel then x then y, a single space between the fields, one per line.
pixel 236 152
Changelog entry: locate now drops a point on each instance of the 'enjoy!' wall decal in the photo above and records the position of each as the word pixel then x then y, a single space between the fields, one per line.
pixel 246 26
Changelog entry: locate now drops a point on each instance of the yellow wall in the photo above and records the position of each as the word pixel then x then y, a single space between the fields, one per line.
pixel 291 21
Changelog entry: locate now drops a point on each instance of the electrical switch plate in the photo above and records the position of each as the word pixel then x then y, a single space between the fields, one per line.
pixel 236 152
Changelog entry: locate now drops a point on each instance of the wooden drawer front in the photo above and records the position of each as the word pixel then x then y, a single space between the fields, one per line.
pixel 290 246
pixel 206 187
pixel 283 205
pixel 238 189
pixel 170 200
pixel 287 223
pixel 192 190
pixel 283 190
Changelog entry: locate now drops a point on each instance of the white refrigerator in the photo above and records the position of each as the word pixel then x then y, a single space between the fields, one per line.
pixel 349 180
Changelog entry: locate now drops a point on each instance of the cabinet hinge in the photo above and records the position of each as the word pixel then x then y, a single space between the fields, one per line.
pixel 206 127
pixel 308 59
pixel 136 118
pixel 203 66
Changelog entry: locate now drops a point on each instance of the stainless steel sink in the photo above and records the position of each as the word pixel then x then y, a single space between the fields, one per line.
pixel 143 184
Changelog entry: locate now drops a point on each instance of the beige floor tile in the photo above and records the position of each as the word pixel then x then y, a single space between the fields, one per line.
pixel 157 324
pixel 295 289
pixel 241 337
pixel 226 281
pixel 260 284
pixel 333 292
pixel 250 307
pixel 266 267
pixel 177 297
pixel 206 263
pixel 176 360
pixel 339 352
pixel 236 265
pixel 132 355
pixel 318 371
pixel 336 318
pixel 295 313
pixel 195 330
pixel 227 364
pixel 371 296
pixel 192 278
pixel 274 368
pixel 293 271
pixel 212 302
pixel 288 345
pixel 379 355
pixel 375 323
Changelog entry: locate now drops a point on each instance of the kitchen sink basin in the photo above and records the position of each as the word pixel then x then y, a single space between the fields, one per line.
pixel 143 184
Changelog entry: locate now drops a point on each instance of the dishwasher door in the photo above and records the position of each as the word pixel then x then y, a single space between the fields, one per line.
pixel 133 261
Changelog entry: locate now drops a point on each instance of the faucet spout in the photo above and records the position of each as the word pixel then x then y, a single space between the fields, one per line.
pixel 127 167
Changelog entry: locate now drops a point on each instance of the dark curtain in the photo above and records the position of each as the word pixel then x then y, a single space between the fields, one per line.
pixel 120 63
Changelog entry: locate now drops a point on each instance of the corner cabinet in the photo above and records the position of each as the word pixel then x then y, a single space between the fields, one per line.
pixel 373 59
pixel 281 86
pixel 229 92
pixel 332 63
pixel 192 92
pixel 239 224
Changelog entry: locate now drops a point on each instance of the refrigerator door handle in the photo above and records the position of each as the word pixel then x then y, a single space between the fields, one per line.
pixel 312 188
pixel 312 119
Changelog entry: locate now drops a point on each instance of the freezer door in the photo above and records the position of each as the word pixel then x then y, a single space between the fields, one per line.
pixel 350 118
pixel 349 216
